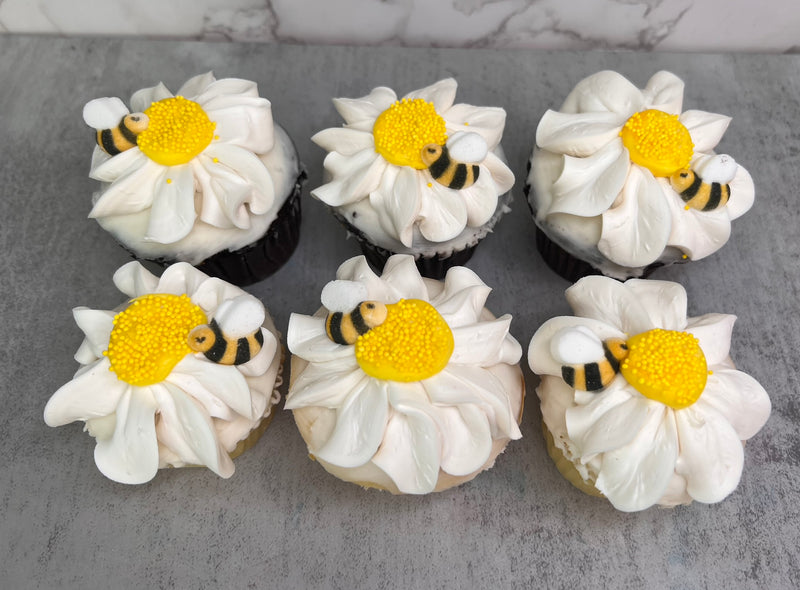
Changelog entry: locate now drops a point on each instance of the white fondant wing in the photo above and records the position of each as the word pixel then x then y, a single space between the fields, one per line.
pixel 467 147
pixel 576 345
pixel 104 113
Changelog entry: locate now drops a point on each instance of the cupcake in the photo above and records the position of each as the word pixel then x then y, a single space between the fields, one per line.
pixel 203 177
pixel 419 175
pixel 641 404
pixel 184 373
pixel 403 383
pixel 623 180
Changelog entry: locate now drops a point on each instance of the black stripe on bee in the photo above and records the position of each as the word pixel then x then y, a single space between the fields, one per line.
pixel 452 174
pixel 692 189
pixel 220 346
pixel 335 327
pixel 358 321
pixel 106 141
pixel 127 133
pixel 441 164
pixel 596 376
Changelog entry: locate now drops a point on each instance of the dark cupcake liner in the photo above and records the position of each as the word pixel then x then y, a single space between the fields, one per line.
pixel 265 256
pixel 432 267
pixel 568 266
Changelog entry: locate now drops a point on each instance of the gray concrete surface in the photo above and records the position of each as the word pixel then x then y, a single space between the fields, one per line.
pixel 281 521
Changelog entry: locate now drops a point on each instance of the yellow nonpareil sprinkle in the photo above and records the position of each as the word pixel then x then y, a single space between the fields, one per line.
pixel 412 344
pixel 666 366
pixel 150 337
pixel 657 141
pixel 402 130
pixel 178 131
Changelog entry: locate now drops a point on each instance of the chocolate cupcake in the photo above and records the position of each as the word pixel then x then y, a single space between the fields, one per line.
pixel 204 177
pixel 622 180
pixel 418 175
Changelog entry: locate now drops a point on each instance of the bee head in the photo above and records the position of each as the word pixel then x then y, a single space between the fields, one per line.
pixel 136 122
pixel 373 312
pixel 430 153
pixel 201 339
pixel 618 348
pixel 681 180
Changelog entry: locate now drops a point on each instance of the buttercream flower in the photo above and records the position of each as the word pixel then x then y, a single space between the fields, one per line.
pixel 377 156
pixel 433 388
pixel 148 399
pixel 204 140
pixel 668 428
pixel 618 147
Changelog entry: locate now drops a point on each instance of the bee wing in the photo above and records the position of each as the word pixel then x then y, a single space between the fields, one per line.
pixel 576 345
pixel 104 113
pixel 467 146
pixel 343 295
pixel 719 168
pixel 240 316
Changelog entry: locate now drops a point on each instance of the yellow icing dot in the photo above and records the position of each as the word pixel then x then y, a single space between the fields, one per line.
pixel 149 337
pixel 178 131
pixel 169 181
pixel 666 366
pixel 215 160
pixel 402 130
pixel 414 343
pixel 657 141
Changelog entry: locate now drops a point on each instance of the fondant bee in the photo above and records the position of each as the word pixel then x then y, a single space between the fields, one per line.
pixel 234 335
pixel 706 188
pixel 117 128
pixel 350 315
pixel 345 328
pixel 590 364
pixel 454 164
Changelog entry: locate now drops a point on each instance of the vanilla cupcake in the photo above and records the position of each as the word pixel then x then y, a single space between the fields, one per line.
pixel 623 180
pixel 203 177
pixel 402 383
pixel 641 404
pixel 418 175
pixel 184 373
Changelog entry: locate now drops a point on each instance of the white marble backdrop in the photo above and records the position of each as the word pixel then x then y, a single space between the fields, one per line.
pixel 650 25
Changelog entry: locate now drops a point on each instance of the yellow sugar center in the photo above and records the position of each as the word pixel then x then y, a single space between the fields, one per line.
pixel 402 130
pixel 657 141
pixel 414 343
pixel 150 337
pixel 178 131
pixel 666 366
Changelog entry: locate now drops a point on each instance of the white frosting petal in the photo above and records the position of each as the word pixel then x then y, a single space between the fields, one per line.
pixel 245 122
pixel 442 216
pixel 442 94
pixel 93 393
pixel 636 228
pixel 367 108
pixel 96 324
pixel 480 199
pixel 172 214
pixel 353 177
pixel 739 398
pixel 131 192
pixel 485 344
pixel 664 302
pixel 609 301
pixel 711 457
pixel 398 201
pixel 259 190
pixel 470 442
pixel 713 330
pixel 400 274
pixel 488 122
pixel 108 169
pixel 226 381
pixel 321 384
pixel 577 135
pixel 588 186
pixel 142 99
pixel 413 463
pixel 635 476
pixel 705 128
pixel 501 174
pixel 131 454
pixel 742 193
pixel 610 421
pixel 698 233
pixel 307 339
pixel 133 279
pixel 196 84
pixel 187 430
pixel 664 92
pixel 604 91
pixel 360 424
pixel 345 141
